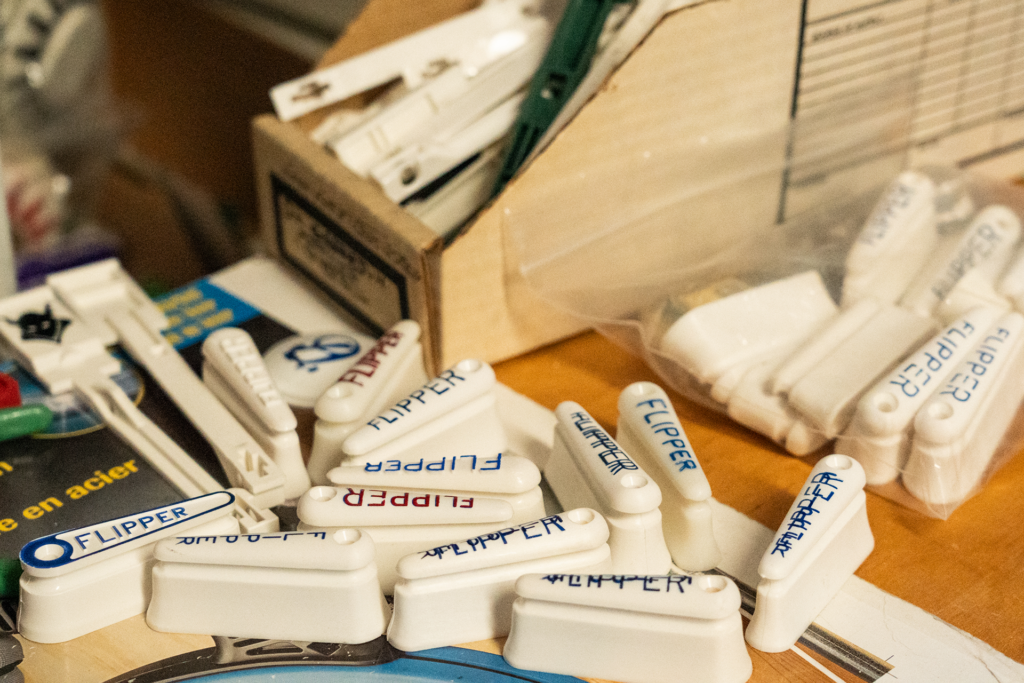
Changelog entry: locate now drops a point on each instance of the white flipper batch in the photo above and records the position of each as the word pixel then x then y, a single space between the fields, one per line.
pixel 651 433
pixel 753 404
pixel 462 592
pixel 895 242
pixel 827 394
pixel 745 328
pixel 104 295
pixel 991 236
pixel 401 521
pixel 390 370
pixel 413 168
pixel 822 540
pixel 79 581
pixel 818 347
pixel 234 371
pixel 443 438
pixel 957 432
pixel 638 628
pixel 880 433
pixel 307 586
pixel 587 468
pixel 463 85
pixel 451 415
pixel 977 287
pixel 465 39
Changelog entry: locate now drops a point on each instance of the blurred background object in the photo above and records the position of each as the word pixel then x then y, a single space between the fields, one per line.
pixel 125 126
pixel 58 128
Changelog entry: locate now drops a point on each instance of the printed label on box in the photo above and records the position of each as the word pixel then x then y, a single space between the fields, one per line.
pixel 359 280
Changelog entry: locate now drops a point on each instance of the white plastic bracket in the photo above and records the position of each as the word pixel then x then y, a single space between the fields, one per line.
pixel 413 167
pixel 447 103
pixel 65 353
pixel 51 341
pixel 98 290
pixel 246 464
pixel 464 39
pixel 234 371
pixel 105 296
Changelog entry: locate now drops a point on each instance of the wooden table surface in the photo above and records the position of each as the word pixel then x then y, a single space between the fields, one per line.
pixel 967 570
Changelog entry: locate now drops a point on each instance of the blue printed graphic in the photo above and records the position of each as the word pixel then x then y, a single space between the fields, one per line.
pixel 200 308
pixel 326 348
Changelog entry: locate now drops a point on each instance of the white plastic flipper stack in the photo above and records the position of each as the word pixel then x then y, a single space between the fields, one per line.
pixel 463 592
pixel 390 370
pixel 823 539
pixel 880 434
pixel 957 432
pixel 420 504
pixel 451 415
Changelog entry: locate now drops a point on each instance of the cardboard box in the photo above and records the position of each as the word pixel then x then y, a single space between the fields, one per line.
pixel 728 114
pixel 376 261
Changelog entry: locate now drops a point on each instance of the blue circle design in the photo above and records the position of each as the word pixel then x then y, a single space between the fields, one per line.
pixel 28 553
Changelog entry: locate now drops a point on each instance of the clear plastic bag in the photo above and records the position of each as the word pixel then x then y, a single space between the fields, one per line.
pixel 789 327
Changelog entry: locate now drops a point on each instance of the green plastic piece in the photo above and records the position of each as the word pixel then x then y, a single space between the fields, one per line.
pixel 565 64
pixel 24 420
pixel 10 572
